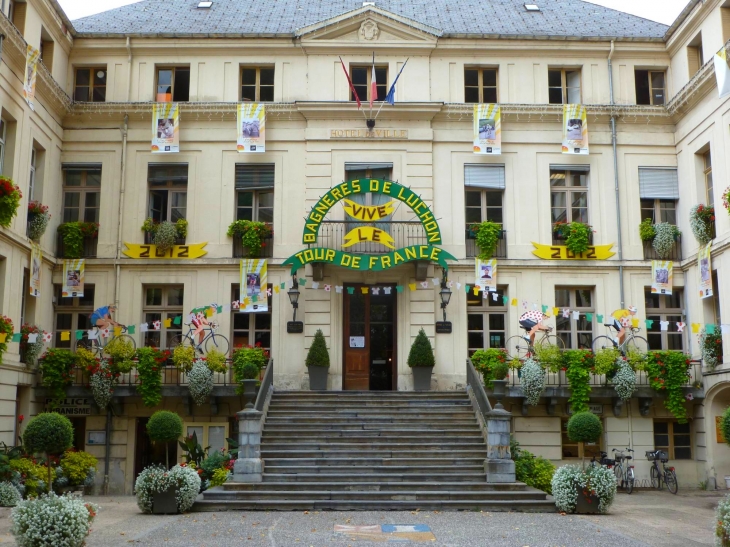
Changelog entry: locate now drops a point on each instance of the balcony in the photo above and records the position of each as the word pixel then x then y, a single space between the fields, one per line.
pixel 89 247
pixel 558 239
pixel 332 236
pixel 675 254
pixel 148 237
pixel 239 251
pixel 472 250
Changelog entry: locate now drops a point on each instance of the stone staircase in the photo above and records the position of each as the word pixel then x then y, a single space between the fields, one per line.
pixel 348 450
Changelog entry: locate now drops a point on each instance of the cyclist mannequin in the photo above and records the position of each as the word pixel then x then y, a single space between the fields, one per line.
pixel 621 320
pixel 102 317
pixel 199 322
pixel 532 321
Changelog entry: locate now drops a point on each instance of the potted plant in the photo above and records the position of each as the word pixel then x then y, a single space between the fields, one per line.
pixel 252 234
pixel 585 427
pixel 216 361
pixel 29 351
pixel 6 328
pixel 318 362
pixel 183 357
pixel 247 363
pixel 160 491
pixel 487 234
pixel 165 234
pixel 164 427
pixel 50 433
pixel 711 346
pixel 10 196
pixel 200 382
pixel 121 352
pixel 38 217
pixel 56 367
pixel 573 486
pixel 577 235
pixel 73 235
pixel 421 361
pixel 702 223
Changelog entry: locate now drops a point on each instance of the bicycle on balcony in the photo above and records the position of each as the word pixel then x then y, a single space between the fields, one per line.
pixel 666 474
pixel 623 471
pixel 208 336
pixel 631 344
pixel 96 343
pixel 523 346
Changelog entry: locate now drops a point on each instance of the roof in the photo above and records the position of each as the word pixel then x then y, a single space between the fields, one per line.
pixel 556 18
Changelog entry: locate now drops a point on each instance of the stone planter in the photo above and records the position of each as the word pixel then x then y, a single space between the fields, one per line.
pixel 318 378
pixel 499 389
pixel 164 503
pixel 249 392
pixel 586 503
pixel 422 378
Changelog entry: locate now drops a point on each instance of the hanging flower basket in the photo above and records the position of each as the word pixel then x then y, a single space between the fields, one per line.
pixel 38 218
pixel 200 382
pixel 702 222
pixel 29 352
pixel 6 328
pixel 10 196
pixel 665 237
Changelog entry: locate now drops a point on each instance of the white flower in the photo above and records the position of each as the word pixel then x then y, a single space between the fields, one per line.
pixel 700 229
pixel 9 495
pixel 200 382
pixel 533 381
pixel 722 517
pixel 102 384
pixel 158 479
pixel 61 521
pixel 624 381
pixel 570 478
pixel 664 239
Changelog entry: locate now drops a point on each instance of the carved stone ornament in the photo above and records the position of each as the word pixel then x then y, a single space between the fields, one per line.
pixel 369 30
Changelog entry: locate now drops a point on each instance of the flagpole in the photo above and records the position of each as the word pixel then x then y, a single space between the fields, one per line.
pixel 393 85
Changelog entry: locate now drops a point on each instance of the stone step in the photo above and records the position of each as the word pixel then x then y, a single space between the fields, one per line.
pixel 327 433
pixel 327 445
pixel 299 469
pixel 298 453
pixel 323 415
pixel 379 477
pixel 366 484
pixel 367 403
pixel 368 394
pixel 368 420
pixel 362 437
pixel 369 461
pixel 369 426
pixel 322 494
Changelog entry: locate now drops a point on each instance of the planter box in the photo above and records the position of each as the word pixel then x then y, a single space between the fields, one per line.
pixel 318 378
pixel 586 504
pixel 164 503
pixel 422 378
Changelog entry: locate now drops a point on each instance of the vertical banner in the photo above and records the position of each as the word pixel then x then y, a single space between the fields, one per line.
pixel 722 72
pixel 73 278
pixel 487 129
pixel 704 263
pixel 251 130
pixel 253 295
pixel 575 129
pixel 662 276
pixel 31 72
pixel 36 261
pixel 165 128
pixel 486 275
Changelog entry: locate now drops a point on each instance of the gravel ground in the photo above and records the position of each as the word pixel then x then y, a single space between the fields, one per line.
pixel 645 518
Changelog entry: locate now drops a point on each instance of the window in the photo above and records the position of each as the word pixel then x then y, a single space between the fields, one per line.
pixel 361 77
pixel 161 303
pixel 659 210
pixel 575 334
pixel 257 84
pixel 173 84
pixel 212 435
pixel 674 438
pixel 650 87
pixel 480 85
pixel 695 58
pixel 664 307
pixel 572 450
pixel 354 171
pixel 90 85
pixel 251 329
pixel 46 49
pixel 81 192
pixel 168 191
pixel 564 86
pixel 659 192
pixel 255 192
pixel 3 138
pixel 483 205
pixel 569 196
pixel 31 183
pixel 486 320
pixel 17 15
pixel 72 314
pixel 709 186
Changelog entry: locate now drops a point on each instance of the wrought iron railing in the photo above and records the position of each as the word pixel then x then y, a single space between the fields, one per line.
pixel 89 249
pixel 559 239
pixel 149 237
pixel 675 254
pixel 332 236
pixel 472 250
pixel 239 251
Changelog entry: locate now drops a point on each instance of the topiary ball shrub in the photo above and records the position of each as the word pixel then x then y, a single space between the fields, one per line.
pixel 164 426
pixel 584 427
pixel 250 371
pixel 9 495
pixel 48 432
pixel 318 355
pixel 421 354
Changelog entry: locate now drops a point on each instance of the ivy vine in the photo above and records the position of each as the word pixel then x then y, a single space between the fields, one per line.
pixel 149 363
pixel 668 373
pixel 578 364
pixel 73 234
pixel 56 367
pixel 487 236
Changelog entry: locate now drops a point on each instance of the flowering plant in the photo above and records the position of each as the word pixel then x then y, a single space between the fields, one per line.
pixel 184 479
pixel 9 495
pixel 252 234
pixel 10 196
pixel 666 236
pixel 149 363
pixel 30 351
pixel 711 346
pixel 37 208
pixel 722 530
pixel 596 481
pixel 73 234
pixel 701 221
pixel 200 382
pixel 38 217
pixel 102 381
pixel 624 381
pixel 576 235
pixel 6 328
pixel 61 521
pixel 533 381
pixel 487 361
pixel 726 199
pixel 668 372
pixel 56 367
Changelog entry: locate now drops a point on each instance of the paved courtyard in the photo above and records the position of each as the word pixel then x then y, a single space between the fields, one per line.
pixel 642 519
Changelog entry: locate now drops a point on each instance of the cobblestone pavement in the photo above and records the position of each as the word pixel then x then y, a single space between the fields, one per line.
pixel 645 518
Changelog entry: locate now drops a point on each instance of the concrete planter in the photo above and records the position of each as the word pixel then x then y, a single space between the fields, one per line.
pixel 249 392
pixel 164 503
pixel 499 388
pixel 422 378
pixel 586 503
pixel 318 378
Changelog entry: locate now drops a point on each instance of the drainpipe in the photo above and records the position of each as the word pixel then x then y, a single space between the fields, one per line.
pixel 615 181
pixel 118 256
pixel 2 38
pixel 107 449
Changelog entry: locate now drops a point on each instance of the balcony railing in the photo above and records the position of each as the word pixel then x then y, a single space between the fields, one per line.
pixel 148 237
pixel 472 250
pixel 675 254
pixel 332 236
pixel 558 239
pixel 239 251
pixel 89 250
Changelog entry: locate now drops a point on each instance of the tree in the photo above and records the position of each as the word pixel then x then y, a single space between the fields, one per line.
pixel 50 433
pixel 318 355
pixel 584 427
pixel 421 354
pixel 165 426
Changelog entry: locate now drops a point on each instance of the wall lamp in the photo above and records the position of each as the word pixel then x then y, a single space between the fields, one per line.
pixel 444 327
pixel 294 326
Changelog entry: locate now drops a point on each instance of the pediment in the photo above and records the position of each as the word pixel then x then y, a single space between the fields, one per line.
pixel 369 26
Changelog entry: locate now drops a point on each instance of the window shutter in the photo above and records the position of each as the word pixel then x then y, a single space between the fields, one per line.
pixel 19 16
pixel 81 167
pixel 571 168
pixel 693 60
pixel 364 166
pixel 161 173
pixel 484 176
pixel 658 183
pixel 254 176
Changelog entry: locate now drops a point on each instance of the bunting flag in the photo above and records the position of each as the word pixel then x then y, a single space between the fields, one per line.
pixel 412 286
pixel 710 329
pixel 424 284
pixel 3 337
pixel 695 328
pixel 168 324
pixel 649 323
pixel 680 327
pixel 92 334
pixel 399 288
pixel 599 318
pixel 338 289
pixel 664 326
pixel 32 337
pixel 131 329
pixel 17 337
pixel 47 336
pixel 589 317
pixel 65 336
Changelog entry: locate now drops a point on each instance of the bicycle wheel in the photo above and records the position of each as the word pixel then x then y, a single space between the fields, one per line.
pixel 180 340
pixel 655 480
pixel 618 472
pixel 629 483
pixel 91 345
pixel 670 477
pixel 551 341
pixel 602 342
pixel 638 344
pixel 517 347
pixel 217 342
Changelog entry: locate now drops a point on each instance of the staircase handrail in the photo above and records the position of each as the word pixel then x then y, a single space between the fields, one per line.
pixel 266 385
pixel 474 380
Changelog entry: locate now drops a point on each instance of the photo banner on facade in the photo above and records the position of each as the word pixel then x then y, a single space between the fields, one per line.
pixel 662 276
pixel 165 128
pixel 254 296
pixel 486 275
pixel 704 263
pixel 251 130
pixel 487 129
pixel 36 262
pixel 722 72
pixel 73 278
pixel 575 129
pixel 31 73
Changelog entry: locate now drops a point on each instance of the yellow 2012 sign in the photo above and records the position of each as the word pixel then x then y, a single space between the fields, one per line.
pixel 561 252
pixel 195 250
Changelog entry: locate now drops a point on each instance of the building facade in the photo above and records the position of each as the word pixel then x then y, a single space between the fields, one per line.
pixel 84 150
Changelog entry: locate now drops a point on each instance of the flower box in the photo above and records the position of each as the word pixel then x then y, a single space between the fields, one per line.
pixel 165 503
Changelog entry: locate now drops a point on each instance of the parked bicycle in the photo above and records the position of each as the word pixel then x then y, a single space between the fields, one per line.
pixel 623 470
pixel 211 341
pixel 604 460
pixel 632 343
pixel 520 347
pixel 666 474
pixel 97 344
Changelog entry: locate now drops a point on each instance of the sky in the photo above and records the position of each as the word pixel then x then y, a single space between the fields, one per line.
pixel 664 11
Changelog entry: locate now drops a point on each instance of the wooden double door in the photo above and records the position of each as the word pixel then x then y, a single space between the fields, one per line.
pixel 370 338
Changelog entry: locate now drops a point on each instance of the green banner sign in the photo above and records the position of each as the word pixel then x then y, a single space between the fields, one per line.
pixel 374 186
pixel 364 262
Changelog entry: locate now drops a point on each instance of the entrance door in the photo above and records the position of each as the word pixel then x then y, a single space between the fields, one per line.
pixel 369 332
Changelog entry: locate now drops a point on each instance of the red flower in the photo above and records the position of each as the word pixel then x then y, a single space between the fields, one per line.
pixel 21 418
